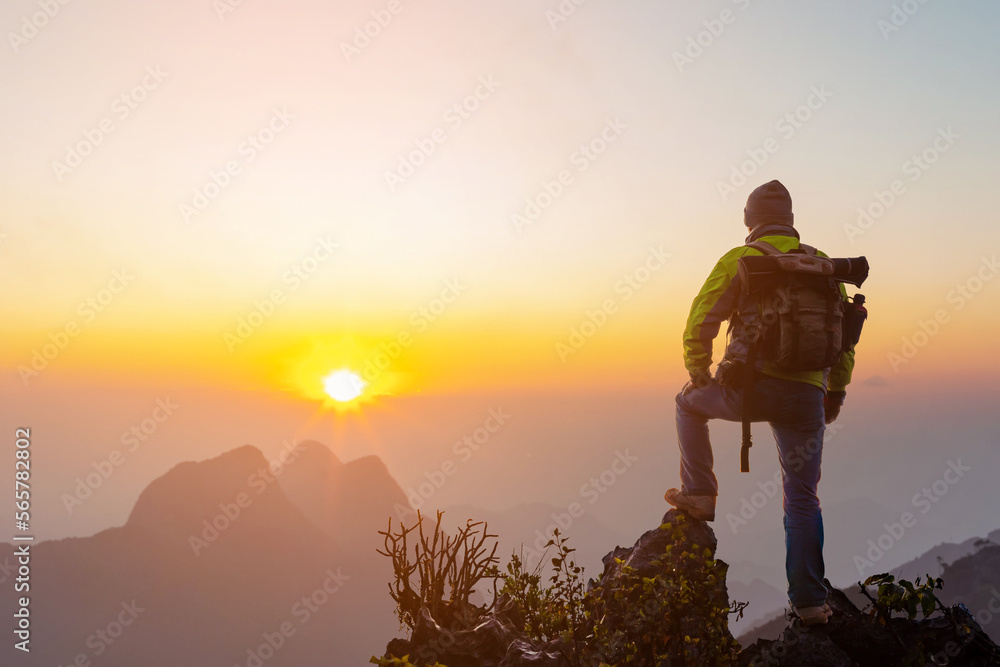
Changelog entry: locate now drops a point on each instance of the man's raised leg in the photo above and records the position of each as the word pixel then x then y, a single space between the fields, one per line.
pixel 694 409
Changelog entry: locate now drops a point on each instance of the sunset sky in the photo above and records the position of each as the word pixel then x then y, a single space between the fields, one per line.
pixel 480 207
pixel 837 104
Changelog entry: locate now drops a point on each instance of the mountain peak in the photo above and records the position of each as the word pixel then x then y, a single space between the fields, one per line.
pixel 371 464
pixel 193 490
pixel 313 452
pixel 350 501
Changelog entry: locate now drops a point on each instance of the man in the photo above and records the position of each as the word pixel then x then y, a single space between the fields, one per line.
pixel 797 405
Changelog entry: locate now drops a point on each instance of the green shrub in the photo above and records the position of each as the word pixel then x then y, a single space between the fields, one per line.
pixel 902 596
pixel 665 617
pixel 555 611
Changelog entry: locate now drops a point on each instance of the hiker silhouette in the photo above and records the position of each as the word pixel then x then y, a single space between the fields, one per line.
pixel 788 361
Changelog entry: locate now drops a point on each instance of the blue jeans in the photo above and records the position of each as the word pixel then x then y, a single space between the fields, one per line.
pixel 795 413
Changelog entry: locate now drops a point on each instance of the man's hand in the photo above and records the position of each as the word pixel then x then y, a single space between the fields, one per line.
pixel 699 380
pixel 832 403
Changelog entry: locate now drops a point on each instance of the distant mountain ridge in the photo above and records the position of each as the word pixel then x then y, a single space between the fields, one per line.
pixel 349 501
pixel 216 565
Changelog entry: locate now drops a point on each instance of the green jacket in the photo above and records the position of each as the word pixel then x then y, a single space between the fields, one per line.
pixel 717 302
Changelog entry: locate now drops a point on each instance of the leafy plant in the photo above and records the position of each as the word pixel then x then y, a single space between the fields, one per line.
pixel 566 590
pixel 635 621
pixel 555 611
pixel 665 618
pixel 905 597
pixel 902 596
pixel 524 590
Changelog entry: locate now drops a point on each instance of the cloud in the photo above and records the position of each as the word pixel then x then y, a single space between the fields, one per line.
pixel 875 381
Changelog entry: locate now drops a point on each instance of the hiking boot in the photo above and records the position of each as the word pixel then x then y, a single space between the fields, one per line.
pixel 699 507
pixel 814 615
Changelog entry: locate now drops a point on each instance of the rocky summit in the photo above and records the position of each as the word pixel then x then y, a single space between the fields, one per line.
pixel 664 602
pixel 856 639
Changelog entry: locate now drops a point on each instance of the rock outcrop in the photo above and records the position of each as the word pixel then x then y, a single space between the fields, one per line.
pixel 489 639
pixel 678 555
pixel 663 602
pixel 855 639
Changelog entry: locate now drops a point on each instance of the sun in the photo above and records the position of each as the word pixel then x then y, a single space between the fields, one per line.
pixel 343 385
pixel 343 374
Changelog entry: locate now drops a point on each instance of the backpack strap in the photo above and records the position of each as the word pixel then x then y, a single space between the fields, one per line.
pixel 769 249
pixel 748 375
pixel 748 378
pixel 765 248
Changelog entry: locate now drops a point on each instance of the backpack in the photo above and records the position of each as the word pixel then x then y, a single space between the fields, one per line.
pixel 801 318
pixel 803 323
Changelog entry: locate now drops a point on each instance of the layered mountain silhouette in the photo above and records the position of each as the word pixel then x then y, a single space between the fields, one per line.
pixel 351 501
pixel 216 565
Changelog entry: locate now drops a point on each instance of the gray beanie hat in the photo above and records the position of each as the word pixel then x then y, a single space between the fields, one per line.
pixel 770 203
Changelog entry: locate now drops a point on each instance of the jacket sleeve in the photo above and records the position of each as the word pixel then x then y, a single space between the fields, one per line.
pixel 714 304
pixel 840 374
